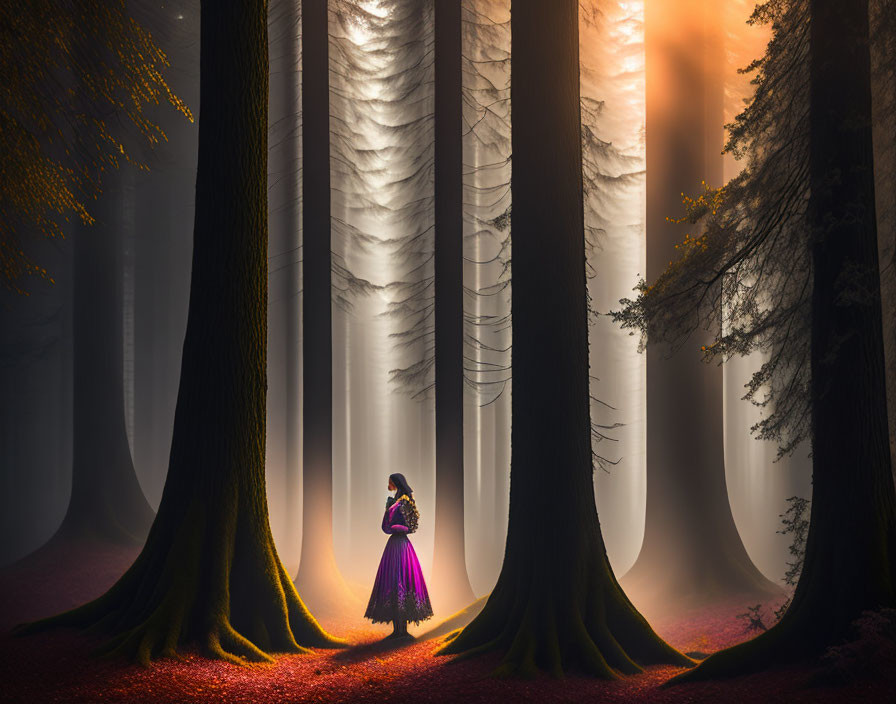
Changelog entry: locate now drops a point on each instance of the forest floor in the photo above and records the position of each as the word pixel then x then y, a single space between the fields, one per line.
pixel 58 667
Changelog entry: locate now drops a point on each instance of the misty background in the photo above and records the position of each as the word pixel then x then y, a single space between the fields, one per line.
pixel 381 127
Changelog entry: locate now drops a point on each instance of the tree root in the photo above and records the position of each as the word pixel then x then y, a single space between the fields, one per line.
pixel 746 658
pixel 553 635
pixel 235 601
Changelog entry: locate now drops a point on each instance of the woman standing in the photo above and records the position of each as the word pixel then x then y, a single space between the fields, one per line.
pixel 399 591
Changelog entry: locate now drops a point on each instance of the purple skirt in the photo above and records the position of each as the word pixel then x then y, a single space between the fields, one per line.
pixel 399 591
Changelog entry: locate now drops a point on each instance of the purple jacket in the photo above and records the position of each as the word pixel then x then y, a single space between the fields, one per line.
pixel 393 520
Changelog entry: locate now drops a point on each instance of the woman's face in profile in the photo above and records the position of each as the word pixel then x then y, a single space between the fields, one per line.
pixel 391 485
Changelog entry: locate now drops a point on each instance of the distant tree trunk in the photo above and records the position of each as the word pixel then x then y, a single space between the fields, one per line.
pixel 451 584
pixel 164 245
pixel 556 604
pixel 209 572
pixel 692 551
pixel 319 577
pixel 284 207
pixel 107 502
pixel 162 285
pixel 851 545
pixel 36 413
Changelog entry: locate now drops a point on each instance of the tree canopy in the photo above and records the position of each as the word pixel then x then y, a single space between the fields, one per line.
pixel 78 77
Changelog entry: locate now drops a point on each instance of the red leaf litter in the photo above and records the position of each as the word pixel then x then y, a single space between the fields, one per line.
pixel 58 667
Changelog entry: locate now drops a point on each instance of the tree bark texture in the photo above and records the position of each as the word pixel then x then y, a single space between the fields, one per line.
pixel 209 572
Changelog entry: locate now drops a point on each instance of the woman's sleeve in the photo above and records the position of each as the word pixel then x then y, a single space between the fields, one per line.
pixel 387 528
pixel 398 524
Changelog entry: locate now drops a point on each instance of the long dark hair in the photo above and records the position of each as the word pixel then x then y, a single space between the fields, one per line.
pixel 401 485
pixel 409 507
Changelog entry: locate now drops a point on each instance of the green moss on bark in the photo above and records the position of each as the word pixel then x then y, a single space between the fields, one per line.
pixel 209 573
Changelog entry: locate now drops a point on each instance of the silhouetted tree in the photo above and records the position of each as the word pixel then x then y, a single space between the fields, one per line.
pixel 793 243
pixel 556 604
pixel 449 562
pixel 106 502
pixel 284 416
pixel 209 572
pixel 319 577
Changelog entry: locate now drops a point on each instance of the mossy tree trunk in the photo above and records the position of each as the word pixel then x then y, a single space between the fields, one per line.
pixel 209 572
pixel 451 584
pixel 556 605
pixel 851 545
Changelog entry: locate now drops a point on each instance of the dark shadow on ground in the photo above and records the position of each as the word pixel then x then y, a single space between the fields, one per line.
pixel 365 651
pixel 456 621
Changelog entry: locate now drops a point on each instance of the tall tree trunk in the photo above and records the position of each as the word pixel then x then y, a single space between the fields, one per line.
pixel 284 207
pixel 209 572
pixel 556 604
pixel 106 502
pixel 851 545
pixel 692 552
pixel 451 583
pixel 883 99
pixel 36 412
pixel 319 577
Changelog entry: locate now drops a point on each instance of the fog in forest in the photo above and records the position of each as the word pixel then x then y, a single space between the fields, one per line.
pixel 381 170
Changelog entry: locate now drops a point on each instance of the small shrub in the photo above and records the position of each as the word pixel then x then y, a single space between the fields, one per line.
pixel 753 620
pixel 868 653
